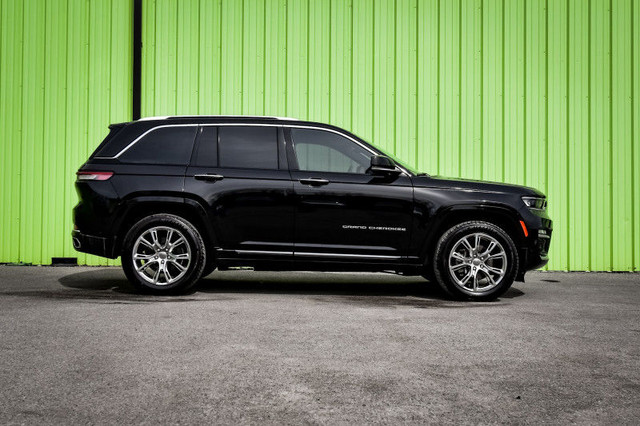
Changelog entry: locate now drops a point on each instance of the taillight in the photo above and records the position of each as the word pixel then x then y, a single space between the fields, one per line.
pixel 84 175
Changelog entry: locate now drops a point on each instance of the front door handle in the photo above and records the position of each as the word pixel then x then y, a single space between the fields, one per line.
pixel 208 177
pixel 314 181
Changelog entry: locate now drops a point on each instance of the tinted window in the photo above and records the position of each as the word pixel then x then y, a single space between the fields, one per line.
pixel 113 131
pixel 322 151
pixel 251 147
pixel 207 155
pixel 165 145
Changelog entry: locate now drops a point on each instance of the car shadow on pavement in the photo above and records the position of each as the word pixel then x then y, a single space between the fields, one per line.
pixel 98 279
pixel 348 285
pixel 319 283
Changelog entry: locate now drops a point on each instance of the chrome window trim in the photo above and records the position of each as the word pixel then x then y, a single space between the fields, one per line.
pixel 297 126
pixel 153 129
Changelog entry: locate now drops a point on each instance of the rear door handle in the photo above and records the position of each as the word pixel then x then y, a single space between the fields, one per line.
pixel 208 177
pixel 314 181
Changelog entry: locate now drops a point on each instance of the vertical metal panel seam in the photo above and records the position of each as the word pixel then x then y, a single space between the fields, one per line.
pixel 198 89
pixel 524 93
pixel 350 74
pixel 633 182
pixel 66 100
pixel 111 39
pixel 546 96
pixel 286 56
pixel 20 219
pixel 502 94
pixel 481 88
pixel 395 76
pixel 308 57
pixel 242 18
pixel 264 56
pixel 220 9
pixel 567 170
pixel 330 56
pixel 589 214
pixel 438 99
pixel 373 68
pixel 417 70
pixel 459 87
pixel 176 46
pixel 611 134
pixel 136 86
pixel 88 38
pixel 155 94
pixel 47 6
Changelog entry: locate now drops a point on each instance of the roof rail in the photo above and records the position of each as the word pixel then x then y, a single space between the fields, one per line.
pixel 168 117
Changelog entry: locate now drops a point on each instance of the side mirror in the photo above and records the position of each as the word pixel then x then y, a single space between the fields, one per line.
pixel 385 166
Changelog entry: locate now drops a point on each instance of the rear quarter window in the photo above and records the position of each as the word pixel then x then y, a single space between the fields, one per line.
pixel 162 146
pixel 113 131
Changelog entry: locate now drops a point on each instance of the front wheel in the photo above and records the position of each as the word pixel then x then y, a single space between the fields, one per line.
pixel 475 260
pixel 163 253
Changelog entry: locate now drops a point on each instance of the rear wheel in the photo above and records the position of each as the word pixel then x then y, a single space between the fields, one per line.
pixel 163 253
pixel 475 260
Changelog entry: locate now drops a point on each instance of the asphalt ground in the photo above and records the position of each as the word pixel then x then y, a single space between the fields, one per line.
pixel 77 346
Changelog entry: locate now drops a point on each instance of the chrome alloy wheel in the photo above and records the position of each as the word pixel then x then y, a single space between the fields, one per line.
pixel 477 262
pixel 161 255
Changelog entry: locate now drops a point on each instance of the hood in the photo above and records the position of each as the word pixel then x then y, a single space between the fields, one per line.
pixel 474 185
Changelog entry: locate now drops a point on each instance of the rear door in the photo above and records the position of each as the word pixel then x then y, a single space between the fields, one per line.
pixel 239 173
pixel 343 213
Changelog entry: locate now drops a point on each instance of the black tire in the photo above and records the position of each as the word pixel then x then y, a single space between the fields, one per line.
pixel 452 280
pixel 193 247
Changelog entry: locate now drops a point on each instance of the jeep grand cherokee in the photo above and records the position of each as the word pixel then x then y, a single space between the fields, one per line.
pixel 177 197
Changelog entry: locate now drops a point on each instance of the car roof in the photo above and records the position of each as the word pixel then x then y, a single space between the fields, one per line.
pixel 216 117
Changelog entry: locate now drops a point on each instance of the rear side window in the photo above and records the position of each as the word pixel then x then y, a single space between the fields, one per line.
pixel 163 145
pixel 248 147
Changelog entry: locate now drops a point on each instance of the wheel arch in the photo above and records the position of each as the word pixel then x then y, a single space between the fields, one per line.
pixel 137 208
pixel 503 216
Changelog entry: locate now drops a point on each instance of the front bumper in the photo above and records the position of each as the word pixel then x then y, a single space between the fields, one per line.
pixel 100 246
pixel 536 250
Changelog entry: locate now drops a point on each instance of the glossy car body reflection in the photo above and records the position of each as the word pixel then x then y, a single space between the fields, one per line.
pixel 288 218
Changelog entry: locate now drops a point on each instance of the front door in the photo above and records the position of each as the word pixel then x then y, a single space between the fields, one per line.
pixel 344 213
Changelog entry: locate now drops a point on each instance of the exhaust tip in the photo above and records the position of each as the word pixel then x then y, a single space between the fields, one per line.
pixel 76 243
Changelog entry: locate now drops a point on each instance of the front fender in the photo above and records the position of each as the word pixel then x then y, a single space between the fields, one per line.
pixel 429 229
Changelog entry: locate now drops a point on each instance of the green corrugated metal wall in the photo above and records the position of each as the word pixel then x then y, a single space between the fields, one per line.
pixel 541 93
pixel 65 74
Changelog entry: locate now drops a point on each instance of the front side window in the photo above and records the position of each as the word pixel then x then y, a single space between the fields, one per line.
pixel 163 145
pixel 322 151
pixel 248 147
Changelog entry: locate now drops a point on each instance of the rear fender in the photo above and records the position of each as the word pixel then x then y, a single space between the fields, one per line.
pixel 135 208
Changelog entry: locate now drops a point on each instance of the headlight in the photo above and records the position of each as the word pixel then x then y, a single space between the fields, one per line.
pixel 535 203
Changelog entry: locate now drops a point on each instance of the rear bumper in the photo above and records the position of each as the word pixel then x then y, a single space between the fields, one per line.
pixel 91 244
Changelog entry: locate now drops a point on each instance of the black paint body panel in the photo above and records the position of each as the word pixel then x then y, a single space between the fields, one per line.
pixel 275 219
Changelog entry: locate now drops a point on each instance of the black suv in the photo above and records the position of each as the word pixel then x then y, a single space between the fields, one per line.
pixel 177 197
